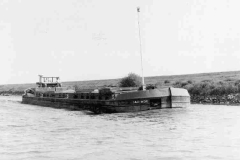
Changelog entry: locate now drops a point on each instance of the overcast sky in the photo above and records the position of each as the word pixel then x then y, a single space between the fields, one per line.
pixel 92 39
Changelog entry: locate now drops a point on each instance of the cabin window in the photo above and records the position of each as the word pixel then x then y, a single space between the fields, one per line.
pixel 129 102
pixel 145 101
pixel 136 102
pixel 121 103
pixel 75 96
pixel 87 96
pixel 82 96
pixel 111 102
pixel 155 102
pixel 125 102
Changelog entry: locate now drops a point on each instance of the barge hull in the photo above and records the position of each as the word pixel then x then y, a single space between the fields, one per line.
pixel 98 106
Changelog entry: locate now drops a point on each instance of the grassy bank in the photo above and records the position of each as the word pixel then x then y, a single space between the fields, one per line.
pixel 204 84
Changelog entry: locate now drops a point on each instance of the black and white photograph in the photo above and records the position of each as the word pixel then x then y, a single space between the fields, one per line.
pixel 119 80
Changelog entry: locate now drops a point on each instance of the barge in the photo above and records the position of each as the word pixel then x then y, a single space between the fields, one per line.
pixel 50 93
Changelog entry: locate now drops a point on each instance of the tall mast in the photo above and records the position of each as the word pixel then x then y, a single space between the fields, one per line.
pixel 140 43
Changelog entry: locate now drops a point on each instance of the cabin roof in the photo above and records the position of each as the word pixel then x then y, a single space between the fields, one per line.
pixel 179 92
pixel 47 83
pixel 153 93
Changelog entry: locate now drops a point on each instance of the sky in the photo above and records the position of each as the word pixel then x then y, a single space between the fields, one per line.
pixel 81 40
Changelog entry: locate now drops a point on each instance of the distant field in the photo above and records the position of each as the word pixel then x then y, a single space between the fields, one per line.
pixel 229 77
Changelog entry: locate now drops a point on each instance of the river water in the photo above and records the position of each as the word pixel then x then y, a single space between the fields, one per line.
pixel 197 132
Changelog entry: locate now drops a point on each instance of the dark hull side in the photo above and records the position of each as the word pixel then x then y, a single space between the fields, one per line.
pixel 101 106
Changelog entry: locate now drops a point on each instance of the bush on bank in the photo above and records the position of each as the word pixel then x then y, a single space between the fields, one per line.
pixel 208 87
pixel 131 80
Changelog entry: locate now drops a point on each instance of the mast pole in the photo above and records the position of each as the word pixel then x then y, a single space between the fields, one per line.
pixel 140 43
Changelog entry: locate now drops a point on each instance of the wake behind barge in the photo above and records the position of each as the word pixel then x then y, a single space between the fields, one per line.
pixel 104 100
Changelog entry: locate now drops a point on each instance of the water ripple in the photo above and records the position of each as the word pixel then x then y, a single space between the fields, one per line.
pixel 197 132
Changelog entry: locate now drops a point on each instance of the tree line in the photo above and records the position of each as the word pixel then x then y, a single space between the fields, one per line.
pixel 203 88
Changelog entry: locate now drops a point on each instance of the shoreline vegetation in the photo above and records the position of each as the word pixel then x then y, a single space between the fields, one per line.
pixel 204 88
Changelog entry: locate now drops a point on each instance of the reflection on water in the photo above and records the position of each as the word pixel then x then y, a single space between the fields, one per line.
pixel 196 132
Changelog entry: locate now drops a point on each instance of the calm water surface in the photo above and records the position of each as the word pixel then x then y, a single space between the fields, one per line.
pixel 197 132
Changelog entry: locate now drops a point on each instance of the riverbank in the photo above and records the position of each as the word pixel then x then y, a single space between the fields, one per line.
pixel 230 99
pixel 211 88
pixel 6 93
pixel 181 81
